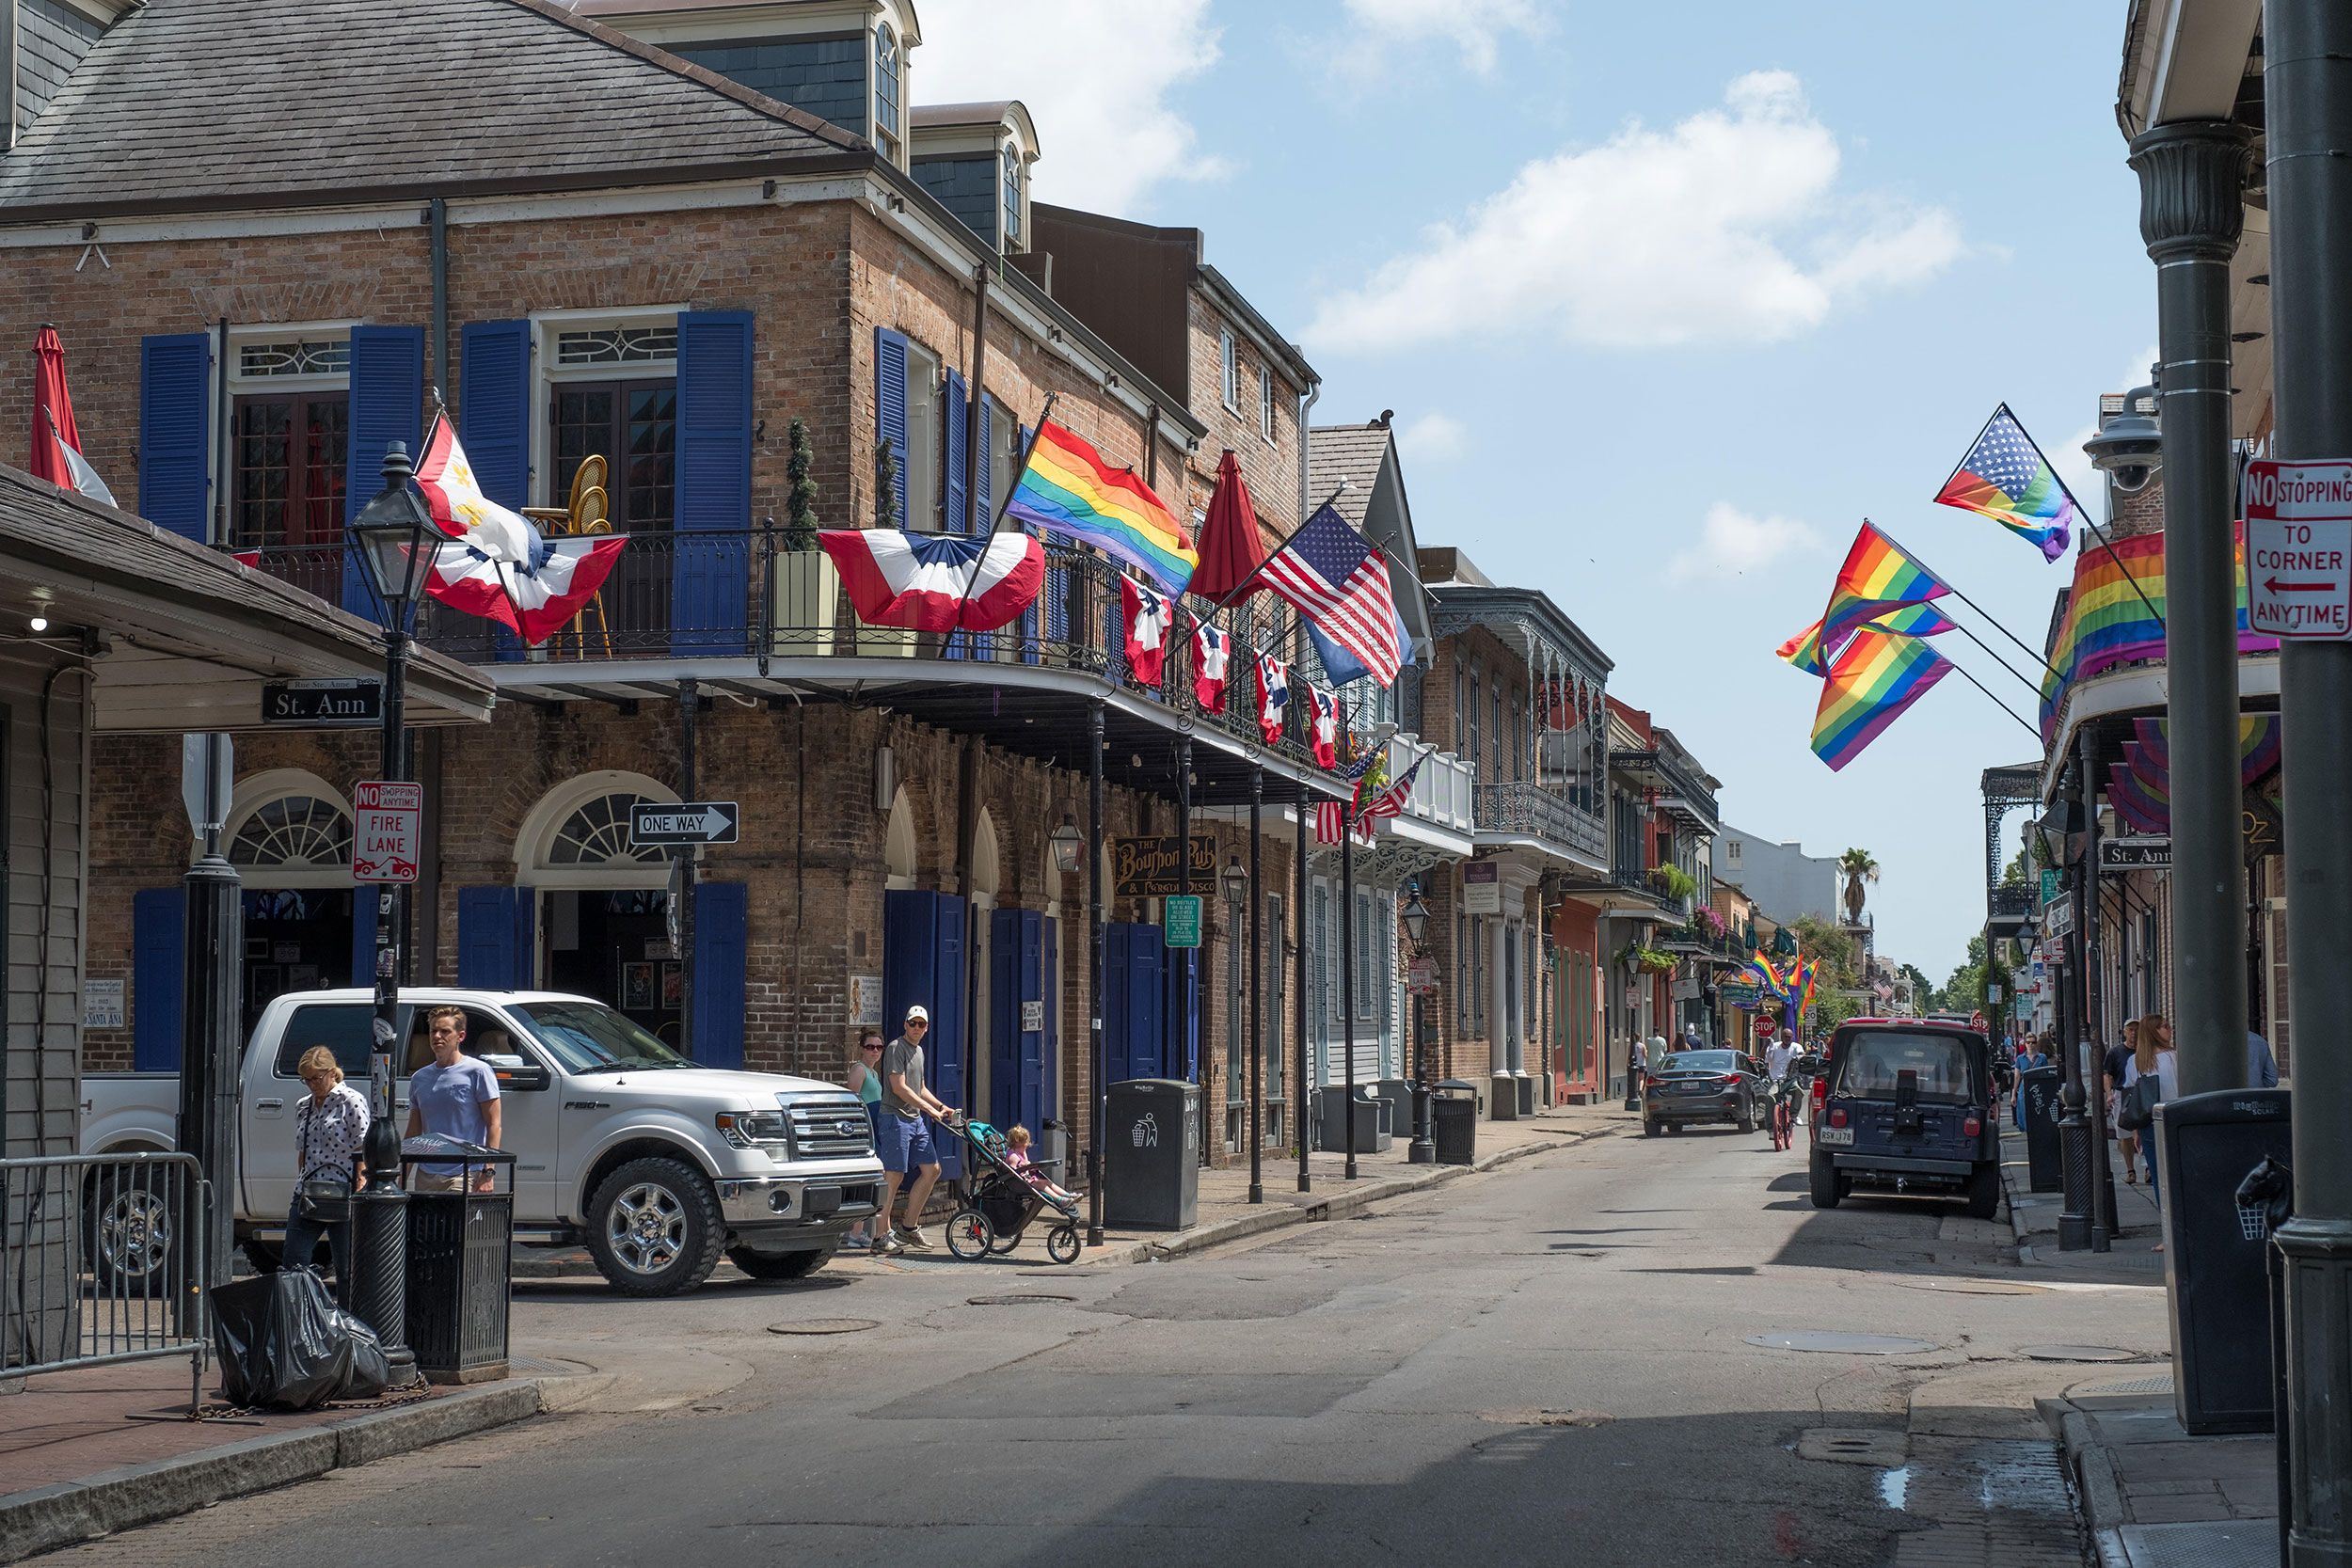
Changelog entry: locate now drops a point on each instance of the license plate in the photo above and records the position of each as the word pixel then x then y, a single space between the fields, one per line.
pixel 1836 1135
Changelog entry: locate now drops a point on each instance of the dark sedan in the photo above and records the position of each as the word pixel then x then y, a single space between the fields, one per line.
pixel 1700 1085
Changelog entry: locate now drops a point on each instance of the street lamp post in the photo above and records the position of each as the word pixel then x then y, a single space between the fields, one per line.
pixel 1422 1150
pixel 390 536
pixel 1238 884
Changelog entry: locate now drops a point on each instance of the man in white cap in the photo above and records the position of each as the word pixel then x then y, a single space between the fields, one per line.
pixel 903 1138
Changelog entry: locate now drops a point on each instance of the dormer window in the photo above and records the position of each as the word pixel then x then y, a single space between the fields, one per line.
pixel 1012 198
pixel 886 88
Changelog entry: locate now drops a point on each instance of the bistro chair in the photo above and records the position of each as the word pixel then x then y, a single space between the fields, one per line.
pixel 589 511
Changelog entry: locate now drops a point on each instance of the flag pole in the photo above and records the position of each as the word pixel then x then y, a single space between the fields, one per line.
pixel 2096 531
pixel 1255 571
pixel 2007 667
pixel 1972 603
pixel 1994 701
pixel 997 519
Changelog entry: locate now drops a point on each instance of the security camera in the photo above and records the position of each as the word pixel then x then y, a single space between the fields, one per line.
pixel 2129 447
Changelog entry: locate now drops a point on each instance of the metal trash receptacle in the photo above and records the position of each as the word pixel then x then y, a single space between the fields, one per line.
pixel 459 1244
pixel 1152 1164
pixel 1374 1129
pixel 1453 1112
pixel 2038 1093
pixel 2216 1284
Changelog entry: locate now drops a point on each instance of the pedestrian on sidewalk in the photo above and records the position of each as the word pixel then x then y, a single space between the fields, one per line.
pixel 864 1081
pixel 456 1096
pixel 330 1128
pixel 2152 1057
pixel 2262 1068
pixel 2116 1068
pixel 908 1107
pixel 2030 1057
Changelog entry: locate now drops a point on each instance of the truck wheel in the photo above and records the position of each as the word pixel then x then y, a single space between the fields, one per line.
pixel 780 1265
pixel 132 1229
pixel 654 1227
pixel 1826 1188
pixel 1984 1192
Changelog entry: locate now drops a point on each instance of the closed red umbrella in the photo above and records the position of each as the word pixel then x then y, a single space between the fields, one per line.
pixel 53 410
pixel 1230 550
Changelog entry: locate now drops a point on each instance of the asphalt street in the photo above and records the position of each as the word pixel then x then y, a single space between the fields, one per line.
pixel 1550 1358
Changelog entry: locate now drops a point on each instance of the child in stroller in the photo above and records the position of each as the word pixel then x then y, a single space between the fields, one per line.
pixel 1009 1190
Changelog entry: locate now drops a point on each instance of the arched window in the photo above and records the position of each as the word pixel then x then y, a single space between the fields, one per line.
pixel 596 833
pixel 293 832
pixel 887 86
pixel 1012 196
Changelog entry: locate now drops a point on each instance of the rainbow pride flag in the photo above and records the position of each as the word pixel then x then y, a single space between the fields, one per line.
pixel 1877 578
pixel 2006 478
pixel 1877 676
pixel 1916 620
pixel 2107 624
pixel 1067 488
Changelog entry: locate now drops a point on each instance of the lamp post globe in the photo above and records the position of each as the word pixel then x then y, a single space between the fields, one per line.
pixel 1067 843
pixel 1235 882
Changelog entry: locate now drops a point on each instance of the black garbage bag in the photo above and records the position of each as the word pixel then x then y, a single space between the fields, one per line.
pixel 370 1373
pixel 281 1341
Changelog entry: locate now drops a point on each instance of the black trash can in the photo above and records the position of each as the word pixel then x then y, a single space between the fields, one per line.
pixel 1453 1110
pixel 458 1247
pixel 2214 1264
pixel 2038 1093
pixel 1151 1166
pixel 1374 1127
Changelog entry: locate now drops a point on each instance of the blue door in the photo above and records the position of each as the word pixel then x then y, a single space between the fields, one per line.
pixel 1016 1076
pixel 1049 1042
pixel 1133 1002
pixel 923 953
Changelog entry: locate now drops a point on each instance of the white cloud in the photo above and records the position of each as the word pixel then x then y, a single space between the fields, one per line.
pixel 2073 462
pixel 1477 27
pixel 1733 542
pixel 1435 437
pixel 1107 136
pixel 1726 228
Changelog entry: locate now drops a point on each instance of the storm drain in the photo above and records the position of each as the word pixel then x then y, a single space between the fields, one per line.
pixel 1841 1344
pixel 2162 1384
pixel 1015 1298
pixel 2075 1353
pixel 825 1325
pixel 1853 1446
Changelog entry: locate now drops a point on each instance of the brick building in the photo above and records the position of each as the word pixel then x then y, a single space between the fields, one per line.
pixel 270 232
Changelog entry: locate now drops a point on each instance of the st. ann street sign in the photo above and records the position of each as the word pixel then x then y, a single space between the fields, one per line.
pixel 317 703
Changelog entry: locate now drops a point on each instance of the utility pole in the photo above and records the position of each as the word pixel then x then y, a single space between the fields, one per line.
pixel 2306 79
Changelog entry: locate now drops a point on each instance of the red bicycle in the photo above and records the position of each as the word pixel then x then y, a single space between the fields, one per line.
pixel 1782 1123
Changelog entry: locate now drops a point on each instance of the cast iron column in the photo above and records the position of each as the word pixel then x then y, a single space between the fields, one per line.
pixel 377 1292
pixel 1302 1117
pixel 1422 1150
pixel 1098 1107
pixel 1256 996
pixel 2191 177
pixel 1347 975
pixel 2307 74
pixel 685 874
pixel 213 1039
pixel 1180 1013
pixel 2094 1007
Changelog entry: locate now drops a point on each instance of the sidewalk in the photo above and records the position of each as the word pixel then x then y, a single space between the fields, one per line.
pixel 2152 1496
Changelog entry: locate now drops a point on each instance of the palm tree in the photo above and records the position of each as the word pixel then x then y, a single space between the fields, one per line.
pixel 1857 868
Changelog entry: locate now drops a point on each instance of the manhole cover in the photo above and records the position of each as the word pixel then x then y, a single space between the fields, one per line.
pixel 2130 1385
pixel 1018 1298
pixel 825 1325
pixel 1853 1446
pixel 545 1366
pixel 2075 1353
pixel 1970 1287
pixel 1840 1345
pixel 1546 1418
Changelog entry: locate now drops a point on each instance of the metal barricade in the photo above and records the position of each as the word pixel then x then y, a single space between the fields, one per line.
pixel 102 1260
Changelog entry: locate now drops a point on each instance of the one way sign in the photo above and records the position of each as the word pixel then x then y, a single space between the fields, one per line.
pixel 687 822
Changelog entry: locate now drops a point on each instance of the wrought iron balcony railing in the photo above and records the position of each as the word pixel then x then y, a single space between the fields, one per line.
pixel 1442 790
pixel 1558 816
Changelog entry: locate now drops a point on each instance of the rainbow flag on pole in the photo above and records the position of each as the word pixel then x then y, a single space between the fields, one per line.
pixel 2006 478
pixel 1877 578
pixel 1917 620
pixel 1877 676
pixel 1067 488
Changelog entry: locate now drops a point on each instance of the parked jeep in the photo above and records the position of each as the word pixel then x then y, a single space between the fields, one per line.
pixel 1905 1105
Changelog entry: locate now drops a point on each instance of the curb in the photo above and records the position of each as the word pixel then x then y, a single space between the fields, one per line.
pixel 1276 1217
pixel 2097 1497
pixel 63 1513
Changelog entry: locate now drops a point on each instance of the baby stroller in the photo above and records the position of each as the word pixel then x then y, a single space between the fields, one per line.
pixel 1005 1198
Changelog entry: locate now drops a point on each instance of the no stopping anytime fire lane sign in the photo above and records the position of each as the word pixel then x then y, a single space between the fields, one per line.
pixel 2298 548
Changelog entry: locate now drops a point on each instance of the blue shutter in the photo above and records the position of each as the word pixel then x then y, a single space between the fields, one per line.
pixel 711 578
pixel 957 490
pixel 158 941
pixel 363 935
pixel 1145 991
pixel 1117 1058
pixel 387 405
pixel 1049 1045
pixel 984 497
pixel 1004 1016
pixel 522 969
pixel 948 1050
pixel 720 916
pixel 494 407
pixel 890 408
pixel 175 429
pixel 487 922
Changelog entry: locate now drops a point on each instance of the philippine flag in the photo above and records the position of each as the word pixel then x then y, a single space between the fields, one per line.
pixel 936 581
pixel 1323 736
pixel 1273 697
pixel 1151 617
pixel 497 566
pixel 1212 650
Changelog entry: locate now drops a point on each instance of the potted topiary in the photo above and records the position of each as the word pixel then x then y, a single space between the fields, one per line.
pixel 808 590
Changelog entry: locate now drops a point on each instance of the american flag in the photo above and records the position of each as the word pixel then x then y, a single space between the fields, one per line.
pixel 1341 585
pixel 1331 823
pixel 1392 800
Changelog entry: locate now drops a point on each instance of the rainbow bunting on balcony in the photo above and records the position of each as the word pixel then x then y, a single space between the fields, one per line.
pixel 1877 576
pixel 2107 624
pixel 1067 488
pixel 1875 678
pixel 1917 620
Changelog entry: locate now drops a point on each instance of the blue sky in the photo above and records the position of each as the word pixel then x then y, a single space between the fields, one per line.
pixel 1666 298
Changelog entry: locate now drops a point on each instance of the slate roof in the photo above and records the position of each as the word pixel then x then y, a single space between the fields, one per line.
pixel 1349 452
pixel 193 103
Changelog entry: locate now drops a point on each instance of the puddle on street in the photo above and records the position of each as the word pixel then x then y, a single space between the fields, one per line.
pixel 1895 1485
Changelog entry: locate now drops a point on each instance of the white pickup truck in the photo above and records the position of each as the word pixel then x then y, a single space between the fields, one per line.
pixel 659 1165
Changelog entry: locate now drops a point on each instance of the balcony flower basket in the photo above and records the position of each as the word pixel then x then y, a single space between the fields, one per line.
pixel 1674 882
pixel 1713 924
pixel 1644 961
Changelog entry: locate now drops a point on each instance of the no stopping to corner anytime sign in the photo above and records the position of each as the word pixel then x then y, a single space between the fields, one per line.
pixel 2298 548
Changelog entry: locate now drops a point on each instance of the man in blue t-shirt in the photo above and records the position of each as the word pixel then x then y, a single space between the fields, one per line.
pixel 456 1096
